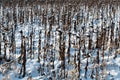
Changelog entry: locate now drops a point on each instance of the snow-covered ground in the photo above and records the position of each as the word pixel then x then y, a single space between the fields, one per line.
pixel 101 63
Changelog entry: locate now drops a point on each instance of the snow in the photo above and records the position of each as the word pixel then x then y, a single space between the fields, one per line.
pixel 34 68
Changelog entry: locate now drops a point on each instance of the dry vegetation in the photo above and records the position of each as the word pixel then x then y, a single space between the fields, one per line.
pixel 82 36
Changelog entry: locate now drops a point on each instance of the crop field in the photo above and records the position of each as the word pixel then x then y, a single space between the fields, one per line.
pixel 59 40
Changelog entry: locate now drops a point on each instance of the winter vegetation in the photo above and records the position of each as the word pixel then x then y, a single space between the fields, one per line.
pixel 59 40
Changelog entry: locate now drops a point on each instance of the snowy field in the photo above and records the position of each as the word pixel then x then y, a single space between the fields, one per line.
pixel 60 42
